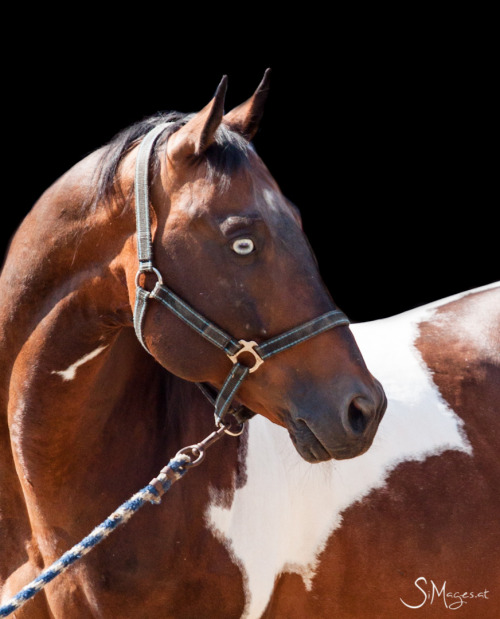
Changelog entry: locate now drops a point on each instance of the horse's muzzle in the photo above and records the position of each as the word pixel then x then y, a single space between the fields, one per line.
pixel 321 432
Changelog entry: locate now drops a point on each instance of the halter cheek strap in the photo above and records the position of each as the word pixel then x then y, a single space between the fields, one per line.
pixel 211 332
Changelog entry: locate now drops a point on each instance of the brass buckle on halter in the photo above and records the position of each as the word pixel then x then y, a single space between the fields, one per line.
pixel 248 347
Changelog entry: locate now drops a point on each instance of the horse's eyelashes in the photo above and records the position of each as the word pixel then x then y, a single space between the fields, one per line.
pixel 243 246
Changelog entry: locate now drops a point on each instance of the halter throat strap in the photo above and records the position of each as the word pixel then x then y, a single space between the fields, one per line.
pixel 215 335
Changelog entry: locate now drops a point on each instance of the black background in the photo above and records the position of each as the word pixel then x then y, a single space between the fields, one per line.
pixel 384 134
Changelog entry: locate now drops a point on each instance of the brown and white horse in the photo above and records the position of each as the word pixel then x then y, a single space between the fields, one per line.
pixel 88 416
pixel 268 526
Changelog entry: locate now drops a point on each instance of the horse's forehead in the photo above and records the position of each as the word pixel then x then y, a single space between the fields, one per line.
pixel 220 196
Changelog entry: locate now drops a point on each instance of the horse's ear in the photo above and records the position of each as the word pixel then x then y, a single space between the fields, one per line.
pixel 199 132
pixel 245 118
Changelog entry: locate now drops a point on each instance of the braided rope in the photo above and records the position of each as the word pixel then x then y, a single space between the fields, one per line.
pixel 152 493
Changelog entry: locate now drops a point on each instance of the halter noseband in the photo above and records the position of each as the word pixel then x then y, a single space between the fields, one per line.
pixel 212 333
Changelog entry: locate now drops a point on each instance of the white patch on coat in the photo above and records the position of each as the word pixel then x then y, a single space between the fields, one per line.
pixel 70 372
pixel 281 519
pixel 477 323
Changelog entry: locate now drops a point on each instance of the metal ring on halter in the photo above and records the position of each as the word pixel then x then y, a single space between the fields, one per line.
pixel 227 429
pixel 196 451
pixel 149 270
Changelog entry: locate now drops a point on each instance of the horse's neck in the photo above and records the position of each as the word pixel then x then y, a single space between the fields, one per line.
pixel 74 379
pixel 69 380
pixel 91 413
pixel 60 260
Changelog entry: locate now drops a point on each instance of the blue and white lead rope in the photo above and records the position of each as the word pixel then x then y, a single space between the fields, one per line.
pixel 150 493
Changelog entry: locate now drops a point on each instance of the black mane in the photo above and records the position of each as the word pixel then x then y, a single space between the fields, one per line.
pixel 228 153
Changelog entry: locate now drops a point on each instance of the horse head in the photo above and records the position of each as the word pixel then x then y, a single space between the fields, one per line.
pixel 228 242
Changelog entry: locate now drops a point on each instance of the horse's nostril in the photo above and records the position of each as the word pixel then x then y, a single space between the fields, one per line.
pixel 357 418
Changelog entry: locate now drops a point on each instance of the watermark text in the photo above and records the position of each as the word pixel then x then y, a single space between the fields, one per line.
pixel 429 592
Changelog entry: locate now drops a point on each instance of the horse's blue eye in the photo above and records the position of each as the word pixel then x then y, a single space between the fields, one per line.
pixel 243 247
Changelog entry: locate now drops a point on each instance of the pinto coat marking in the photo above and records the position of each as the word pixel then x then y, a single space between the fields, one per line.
pixel 70 372
pixel 282 519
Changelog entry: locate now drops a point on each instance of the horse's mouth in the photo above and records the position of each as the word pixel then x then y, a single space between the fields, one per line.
pixel 312 449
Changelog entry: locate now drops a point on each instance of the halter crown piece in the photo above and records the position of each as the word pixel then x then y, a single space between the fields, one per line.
pixel 233 348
